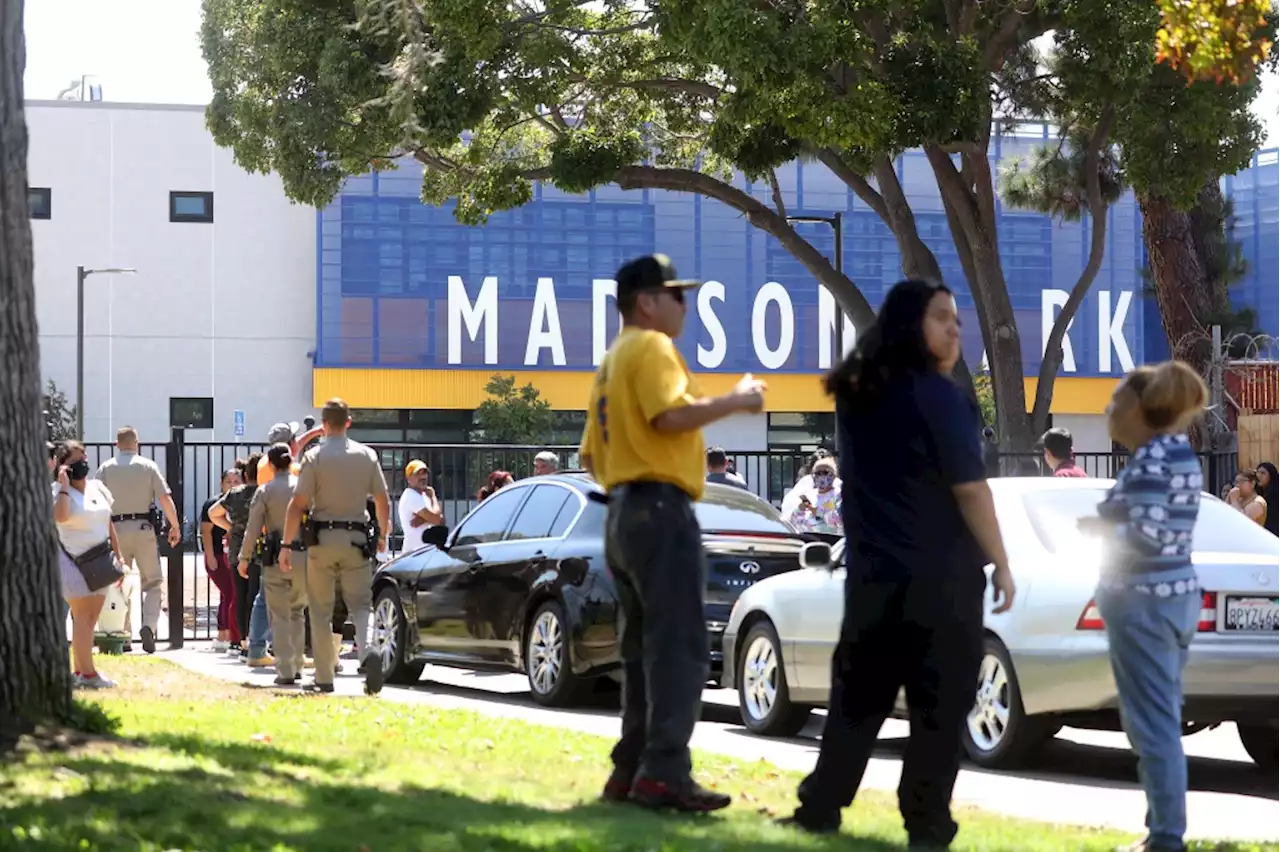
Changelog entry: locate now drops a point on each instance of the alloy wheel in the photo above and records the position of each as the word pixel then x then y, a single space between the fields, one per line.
pixel 546 646
pixel 760 678
pixel 988 720
pixel 386 621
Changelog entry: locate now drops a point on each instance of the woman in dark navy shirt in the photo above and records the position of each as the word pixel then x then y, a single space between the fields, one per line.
pixel 921 525
pixel 1148 594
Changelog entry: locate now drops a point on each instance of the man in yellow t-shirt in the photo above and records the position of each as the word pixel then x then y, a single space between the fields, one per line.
pixel 643 444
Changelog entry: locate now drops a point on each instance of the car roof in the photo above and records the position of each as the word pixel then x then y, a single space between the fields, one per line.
pixel 1014 485
pixel 715 493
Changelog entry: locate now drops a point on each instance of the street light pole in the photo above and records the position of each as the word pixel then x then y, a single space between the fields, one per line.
pixel 81 275
pixel 836 221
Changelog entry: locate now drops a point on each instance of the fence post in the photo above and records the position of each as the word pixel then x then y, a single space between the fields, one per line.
pixel 174 456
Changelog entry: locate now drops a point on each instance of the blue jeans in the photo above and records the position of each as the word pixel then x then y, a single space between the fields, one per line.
pixel 1149 636
pixel 259 627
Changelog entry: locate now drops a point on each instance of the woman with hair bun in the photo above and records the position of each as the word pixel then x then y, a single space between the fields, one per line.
pixel 1148 594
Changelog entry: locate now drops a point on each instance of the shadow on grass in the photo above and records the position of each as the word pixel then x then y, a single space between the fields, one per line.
pixel 245 797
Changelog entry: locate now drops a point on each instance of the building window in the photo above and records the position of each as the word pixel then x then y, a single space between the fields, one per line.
pixel 40 202
pixel 187 412
pixel 190 206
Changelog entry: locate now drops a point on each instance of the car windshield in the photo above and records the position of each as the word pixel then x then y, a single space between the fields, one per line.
pixel 729 509
pixel 1219 528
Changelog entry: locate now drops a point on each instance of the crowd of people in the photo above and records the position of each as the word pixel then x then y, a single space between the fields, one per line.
pixel 909 489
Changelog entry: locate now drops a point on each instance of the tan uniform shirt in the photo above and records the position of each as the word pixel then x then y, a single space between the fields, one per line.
pixel 135 482
pixel 338 477
pixel 267 510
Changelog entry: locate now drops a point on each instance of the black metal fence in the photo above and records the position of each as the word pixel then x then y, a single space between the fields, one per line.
pixel 194 471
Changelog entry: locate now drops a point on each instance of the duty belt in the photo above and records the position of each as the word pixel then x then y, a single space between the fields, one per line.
pixel 353 526
pixel 134 516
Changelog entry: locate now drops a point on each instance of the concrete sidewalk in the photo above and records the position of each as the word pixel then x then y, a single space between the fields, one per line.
pixel 1082 801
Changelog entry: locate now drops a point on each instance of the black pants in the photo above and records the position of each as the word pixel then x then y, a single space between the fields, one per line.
pixel 654 550
pixel 926 637
pixel 246 594
pixel 244 600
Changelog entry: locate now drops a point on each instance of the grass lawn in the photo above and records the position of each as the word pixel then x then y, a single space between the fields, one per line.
pixel 202 764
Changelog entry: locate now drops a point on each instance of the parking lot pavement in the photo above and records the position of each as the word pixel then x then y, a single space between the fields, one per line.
pixel 1085 777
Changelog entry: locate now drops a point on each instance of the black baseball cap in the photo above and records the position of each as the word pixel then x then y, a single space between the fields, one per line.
pixel 648 273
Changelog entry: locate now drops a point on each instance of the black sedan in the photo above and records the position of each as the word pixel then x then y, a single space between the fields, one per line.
pixel 521 585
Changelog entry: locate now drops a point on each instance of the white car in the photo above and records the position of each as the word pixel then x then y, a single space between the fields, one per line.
pixel 1045 663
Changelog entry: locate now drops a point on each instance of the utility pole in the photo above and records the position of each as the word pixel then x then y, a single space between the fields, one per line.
pixel 836 221
pixel 81 275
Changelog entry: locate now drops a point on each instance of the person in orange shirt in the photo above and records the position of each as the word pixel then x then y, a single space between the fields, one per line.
pixel 643 444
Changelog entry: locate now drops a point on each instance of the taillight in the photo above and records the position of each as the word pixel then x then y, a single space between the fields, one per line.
pixel 1208 613
pixel 1091 619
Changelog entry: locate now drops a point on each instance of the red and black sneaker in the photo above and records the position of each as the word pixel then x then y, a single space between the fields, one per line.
pixel 617 789
pixel 690 798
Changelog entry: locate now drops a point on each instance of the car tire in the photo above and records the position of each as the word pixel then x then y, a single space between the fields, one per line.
pixel 998 733
pixel 390 639
pixel 552 682
pixel 764 700
pixel 1262 742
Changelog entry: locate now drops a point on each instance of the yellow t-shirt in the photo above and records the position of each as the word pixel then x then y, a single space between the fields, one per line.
pixel 642 376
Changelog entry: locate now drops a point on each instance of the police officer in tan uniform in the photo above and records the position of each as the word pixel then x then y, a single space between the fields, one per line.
pixel 136 483
pixel 335 480
pixel 285 590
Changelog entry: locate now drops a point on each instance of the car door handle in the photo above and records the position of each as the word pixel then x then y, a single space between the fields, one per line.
pixel 538 558
pixel 475 566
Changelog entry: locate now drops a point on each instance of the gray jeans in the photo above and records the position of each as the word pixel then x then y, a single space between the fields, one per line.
pixel 1149 632
pixel 654 550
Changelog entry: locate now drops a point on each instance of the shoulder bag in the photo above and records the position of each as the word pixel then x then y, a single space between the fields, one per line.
pixel 97 565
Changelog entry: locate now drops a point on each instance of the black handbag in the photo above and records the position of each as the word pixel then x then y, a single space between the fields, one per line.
pixel 98 566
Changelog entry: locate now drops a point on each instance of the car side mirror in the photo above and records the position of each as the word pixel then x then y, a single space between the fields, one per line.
pixel 816 554
pixel 437 535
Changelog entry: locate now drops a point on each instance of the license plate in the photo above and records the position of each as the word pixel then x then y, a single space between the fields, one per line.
pixel 1252 614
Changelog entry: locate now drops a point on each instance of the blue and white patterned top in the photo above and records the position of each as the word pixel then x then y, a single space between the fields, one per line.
pixel 1154 505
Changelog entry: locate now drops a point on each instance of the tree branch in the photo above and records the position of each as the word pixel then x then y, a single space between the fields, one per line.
pixel 1052 358
pixel 661 84
pixel 778 203
pixel 918 260
pixel 1006 32
pixel 758 214
pixel 859 184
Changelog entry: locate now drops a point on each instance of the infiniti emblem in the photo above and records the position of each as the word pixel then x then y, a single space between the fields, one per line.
pixel 749 567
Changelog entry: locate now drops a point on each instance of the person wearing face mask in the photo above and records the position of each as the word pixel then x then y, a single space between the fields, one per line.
pixel 819 506
pixel 82 513
pixel 137 483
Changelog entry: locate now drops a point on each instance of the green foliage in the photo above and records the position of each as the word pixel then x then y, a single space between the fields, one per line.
pixel 59 414
pixel 1051 179
pixel 986 397
pixel 513 415
pixel 1219 40
pixel 490 96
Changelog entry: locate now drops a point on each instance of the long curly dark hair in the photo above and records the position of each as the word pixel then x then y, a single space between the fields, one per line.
pixel 893 347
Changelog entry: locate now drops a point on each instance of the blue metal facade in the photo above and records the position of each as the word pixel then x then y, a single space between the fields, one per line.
pixel 385 259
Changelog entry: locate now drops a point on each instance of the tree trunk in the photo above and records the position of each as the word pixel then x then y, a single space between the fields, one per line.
pixel 1179 276
pixel 35 679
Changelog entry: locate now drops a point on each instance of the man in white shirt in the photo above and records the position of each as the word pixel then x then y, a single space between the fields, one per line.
pixel 418 507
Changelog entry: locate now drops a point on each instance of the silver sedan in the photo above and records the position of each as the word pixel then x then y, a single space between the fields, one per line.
pixel 1045 664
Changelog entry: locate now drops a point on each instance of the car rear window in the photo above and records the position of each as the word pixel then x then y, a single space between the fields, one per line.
pixel 1219 528
pixel 736 510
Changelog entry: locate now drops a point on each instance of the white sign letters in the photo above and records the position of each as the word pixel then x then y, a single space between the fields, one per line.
pixel 773 325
